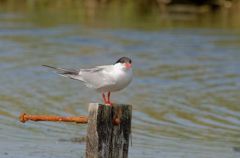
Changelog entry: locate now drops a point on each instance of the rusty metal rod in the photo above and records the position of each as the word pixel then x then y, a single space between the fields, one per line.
pixel 78 119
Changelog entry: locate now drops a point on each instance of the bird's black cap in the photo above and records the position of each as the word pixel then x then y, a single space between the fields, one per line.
pixel 124 60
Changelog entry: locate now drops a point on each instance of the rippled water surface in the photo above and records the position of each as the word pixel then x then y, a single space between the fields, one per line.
pixel 185 93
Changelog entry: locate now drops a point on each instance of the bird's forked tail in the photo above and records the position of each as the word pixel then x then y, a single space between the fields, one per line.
pixel 64 72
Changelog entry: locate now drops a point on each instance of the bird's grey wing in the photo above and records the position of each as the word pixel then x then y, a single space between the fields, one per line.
pixel 98 68
pixel 97 77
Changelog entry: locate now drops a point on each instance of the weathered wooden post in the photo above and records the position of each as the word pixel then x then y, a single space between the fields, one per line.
pixel 108 131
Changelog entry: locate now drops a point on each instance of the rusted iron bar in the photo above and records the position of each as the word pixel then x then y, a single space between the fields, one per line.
pixel 78 119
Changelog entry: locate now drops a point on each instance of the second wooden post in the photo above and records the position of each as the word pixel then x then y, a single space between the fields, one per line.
pixel 108 131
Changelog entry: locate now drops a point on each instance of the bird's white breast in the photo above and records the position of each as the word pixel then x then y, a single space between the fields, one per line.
pixel 123 78
pixel 120 77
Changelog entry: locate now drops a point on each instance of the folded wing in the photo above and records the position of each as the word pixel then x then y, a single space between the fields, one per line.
pixel 95 78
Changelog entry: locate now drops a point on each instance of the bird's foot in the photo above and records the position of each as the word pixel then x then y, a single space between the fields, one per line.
pixel 108 103
pixel 107 100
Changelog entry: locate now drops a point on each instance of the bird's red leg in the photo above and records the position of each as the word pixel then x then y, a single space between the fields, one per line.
pixel 108 101
pixel 104 98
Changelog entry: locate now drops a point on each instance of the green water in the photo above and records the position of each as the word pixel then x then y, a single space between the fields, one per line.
pixel 185 93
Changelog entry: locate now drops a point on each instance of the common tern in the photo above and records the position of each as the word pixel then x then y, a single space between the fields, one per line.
pixel 104 79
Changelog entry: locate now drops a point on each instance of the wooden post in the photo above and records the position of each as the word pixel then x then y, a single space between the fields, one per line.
pixel 108 131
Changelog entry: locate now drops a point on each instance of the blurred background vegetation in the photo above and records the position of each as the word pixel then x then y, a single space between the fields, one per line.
pixel 130 13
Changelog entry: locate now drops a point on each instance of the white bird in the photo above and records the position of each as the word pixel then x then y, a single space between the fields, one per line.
pixel 104 79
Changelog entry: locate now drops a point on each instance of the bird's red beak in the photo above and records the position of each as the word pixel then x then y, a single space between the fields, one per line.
pixel 128 65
